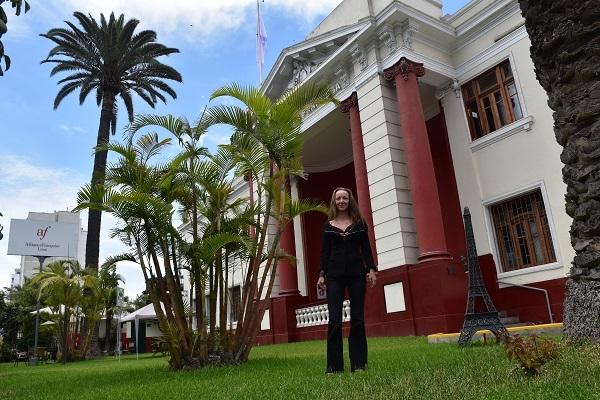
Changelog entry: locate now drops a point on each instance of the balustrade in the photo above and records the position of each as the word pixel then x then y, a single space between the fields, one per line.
pixel 319 315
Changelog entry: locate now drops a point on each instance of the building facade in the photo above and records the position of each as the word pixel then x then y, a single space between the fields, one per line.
pixel 437 113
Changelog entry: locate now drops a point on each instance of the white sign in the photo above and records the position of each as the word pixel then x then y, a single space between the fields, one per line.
pixel 42 238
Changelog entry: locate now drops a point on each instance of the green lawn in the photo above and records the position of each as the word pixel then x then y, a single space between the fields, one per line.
pixel 399 368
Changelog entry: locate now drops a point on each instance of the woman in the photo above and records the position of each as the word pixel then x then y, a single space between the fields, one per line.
pixel 346 259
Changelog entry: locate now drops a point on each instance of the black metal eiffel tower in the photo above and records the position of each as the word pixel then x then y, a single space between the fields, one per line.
pixel 483 320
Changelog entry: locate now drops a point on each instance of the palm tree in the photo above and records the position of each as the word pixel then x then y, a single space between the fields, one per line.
pixel 62 283
pixel 141 194
pixel 110 58
pixel 266 147
pixel 108 282
pixel 565 38
pixel 18 5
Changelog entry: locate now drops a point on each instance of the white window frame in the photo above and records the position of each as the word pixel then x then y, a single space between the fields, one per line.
pixel 491 230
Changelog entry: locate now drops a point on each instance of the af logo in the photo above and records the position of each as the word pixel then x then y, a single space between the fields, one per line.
pixel 41 233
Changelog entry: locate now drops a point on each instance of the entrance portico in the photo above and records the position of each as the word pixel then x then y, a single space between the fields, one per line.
pixel 397 69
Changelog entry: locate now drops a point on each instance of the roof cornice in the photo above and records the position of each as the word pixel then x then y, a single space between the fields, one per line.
pixel 356 28
pixel 414 13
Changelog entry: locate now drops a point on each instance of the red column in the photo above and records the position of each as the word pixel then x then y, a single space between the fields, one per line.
pixel 288 276
pixel 350 106
pixel 423 186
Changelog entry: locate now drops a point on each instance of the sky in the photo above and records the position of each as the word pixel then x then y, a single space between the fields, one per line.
pixel 46 154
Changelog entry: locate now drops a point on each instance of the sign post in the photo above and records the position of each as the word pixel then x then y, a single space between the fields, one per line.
pixel 34 358
pixel 41 239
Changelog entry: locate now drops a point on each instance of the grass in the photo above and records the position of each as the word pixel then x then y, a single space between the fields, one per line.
pixel 399 368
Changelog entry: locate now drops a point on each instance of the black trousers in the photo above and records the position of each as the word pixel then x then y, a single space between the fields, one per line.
pixel 357 340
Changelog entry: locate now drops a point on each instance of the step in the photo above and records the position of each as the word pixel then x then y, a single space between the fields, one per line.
pixel 485 335
pixel 517 324
pixel 509 320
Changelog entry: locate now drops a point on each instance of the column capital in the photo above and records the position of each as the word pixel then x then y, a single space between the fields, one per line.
pixel 350 102
pixel 403 67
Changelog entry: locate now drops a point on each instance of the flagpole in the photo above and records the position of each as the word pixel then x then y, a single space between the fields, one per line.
pixel 260 79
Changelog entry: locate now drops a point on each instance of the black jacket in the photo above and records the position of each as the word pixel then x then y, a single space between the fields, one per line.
pixel 346 253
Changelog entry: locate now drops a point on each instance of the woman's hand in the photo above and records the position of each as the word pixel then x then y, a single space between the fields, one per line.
pixel 372 278
pixel 321 283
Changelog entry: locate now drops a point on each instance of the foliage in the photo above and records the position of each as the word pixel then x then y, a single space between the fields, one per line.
pixel 73 292
pixel 140 301
pixel 23 300
pixel 9 321
pixel 112 59
pixel 531 352
pixel 18 5
pixel 267 149
pixel 144 191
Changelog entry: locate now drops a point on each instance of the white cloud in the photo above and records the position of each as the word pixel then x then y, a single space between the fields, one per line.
pixel 71 130
pixel 197 20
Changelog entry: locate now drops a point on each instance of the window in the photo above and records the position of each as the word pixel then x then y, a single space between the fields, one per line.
pixel 491 101
pixel 522 232
pixel 235 298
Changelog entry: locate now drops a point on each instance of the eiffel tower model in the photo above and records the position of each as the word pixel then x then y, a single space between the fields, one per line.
pixel 481 320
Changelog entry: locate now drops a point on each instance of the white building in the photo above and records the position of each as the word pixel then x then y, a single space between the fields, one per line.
pixel 439 112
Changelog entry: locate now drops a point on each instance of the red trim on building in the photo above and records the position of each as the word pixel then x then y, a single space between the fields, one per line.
pixel 363 194
pixel 288 276
pixel 423 186
pixel 435 296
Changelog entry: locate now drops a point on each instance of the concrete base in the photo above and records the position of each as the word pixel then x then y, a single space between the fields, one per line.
pixel 485 335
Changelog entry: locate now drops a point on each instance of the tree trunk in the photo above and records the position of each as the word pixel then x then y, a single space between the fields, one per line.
pixel 92 244
pixel 65 338
pixel 565 43
pixel 108 333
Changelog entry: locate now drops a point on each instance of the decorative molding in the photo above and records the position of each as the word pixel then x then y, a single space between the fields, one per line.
pixel 479 22
pixel 471 68
pixel 403 67
pixel 524 124
pixel 349 103
pixel 409 28
pixel 432 64
pixel 302 68
pixel 413 13
pixel 480 25
pixel 359 56
pixel 309 110
pixel 453 85
pixel 341 80
pixel 372 44
pixel 312 117
pixel 349 32
pixel 386 34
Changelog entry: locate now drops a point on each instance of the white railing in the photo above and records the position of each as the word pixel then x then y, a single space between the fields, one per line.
pixel 319 315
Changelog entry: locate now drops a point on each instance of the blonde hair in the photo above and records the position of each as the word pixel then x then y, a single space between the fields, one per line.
pixel 353 210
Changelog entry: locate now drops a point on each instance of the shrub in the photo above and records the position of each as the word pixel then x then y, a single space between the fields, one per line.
pixel 531 353
pixel 5 354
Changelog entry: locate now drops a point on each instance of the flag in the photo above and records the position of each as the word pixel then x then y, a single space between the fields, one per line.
pixel 261 40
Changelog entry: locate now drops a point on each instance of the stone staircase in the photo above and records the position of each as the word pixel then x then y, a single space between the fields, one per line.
pixel 511 321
